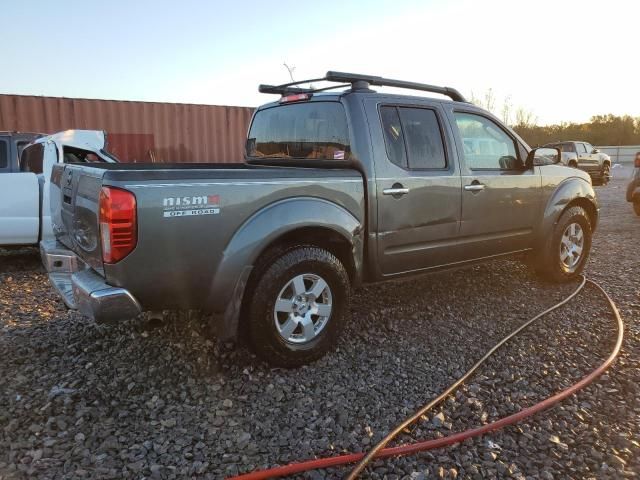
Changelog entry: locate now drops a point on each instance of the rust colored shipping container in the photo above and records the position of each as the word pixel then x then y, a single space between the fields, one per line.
pixel 138 131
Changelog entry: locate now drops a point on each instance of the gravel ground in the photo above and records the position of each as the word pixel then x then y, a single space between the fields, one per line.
pixel 148 400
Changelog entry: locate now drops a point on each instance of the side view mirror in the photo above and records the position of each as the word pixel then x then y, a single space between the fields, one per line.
pixel 543 156
pixel 596 150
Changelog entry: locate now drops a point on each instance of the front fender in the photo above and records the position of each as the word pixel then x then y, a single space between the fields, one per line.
pixel 260 231
pixel 568 191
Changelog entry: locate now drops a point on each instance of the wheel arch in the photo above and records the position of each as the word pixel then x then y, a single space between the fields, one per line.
pixel 320 236
pixel 588 206
pixel 299 220
pixel 574 191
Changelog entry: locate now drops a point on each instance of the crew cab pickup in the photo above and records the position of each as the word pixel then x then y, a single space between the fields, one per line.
pixel 24 184
pixel 338 188
pixel 584 156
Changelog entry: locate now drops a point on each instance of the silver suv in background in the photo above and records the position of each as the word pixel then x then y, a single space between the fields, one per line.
pixel 586 157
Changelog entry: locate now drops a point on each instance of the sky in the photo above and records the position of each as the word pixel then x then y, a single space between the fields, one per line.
pixel 561 60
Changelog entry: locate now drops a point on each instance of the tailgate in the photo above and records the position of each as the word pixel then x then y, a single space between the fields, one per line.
pixel 75 195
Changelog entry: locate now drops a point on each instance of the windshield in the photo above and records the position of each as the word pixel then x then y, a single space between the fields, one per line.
pixel 313 131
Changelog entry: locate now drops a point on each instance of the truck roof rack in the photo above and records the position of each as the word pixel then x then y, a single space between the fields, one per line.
pixel 359 82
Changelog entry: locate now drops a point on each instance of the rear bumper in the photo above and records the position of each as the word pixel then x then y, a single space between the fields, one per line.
pixel 83 289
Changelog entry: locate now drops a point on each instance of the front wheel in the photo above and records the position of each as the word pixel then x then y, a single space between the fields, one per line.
pixel 567 249
pixel 636 206
pixel 298 307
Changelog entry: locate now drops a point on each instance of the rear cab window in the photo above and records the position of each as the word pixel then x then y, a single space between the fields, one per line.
pixel 78 155
pixel 300 131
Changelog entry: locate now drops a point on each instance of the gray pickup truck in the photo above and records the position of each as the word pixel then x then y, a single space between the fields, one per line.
pixel 338 188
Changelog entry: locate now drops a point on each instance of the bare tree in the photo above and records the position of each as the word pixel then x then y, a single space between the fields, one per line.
pixel 290 69
pixel 525 118
pixel 489 100
pixel 506 110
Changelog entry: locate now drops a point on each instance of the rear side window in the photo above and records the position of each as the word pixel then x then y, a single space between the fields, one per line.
pixel 31 158
pixel 413 137
pixel 312 131
pixel 4 154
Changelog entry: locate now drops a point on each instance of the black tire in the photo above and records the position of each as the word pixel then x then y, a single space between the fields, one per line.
pixel 636 206
pixel 548 262
pixel 273 275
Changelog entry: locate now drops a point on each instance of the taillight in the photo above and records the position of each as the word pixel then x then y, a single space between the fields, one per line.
pixel 118 223
pixel 297 97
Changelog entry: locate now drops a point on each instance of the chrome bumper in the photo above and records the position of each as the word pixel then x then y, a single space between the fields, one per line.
pixel 83 289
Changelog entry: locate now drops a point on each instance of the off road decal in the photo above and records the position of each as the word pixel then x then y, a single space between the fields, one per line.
pixel 190 205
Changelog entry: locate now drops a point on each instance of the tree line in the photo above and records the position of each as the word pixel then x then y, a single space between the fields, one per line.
pixel 600 130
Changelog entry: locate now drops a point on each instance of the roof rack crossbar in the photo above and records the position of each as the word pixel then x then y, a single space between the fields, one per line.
pixel 388 82
pixel 359 81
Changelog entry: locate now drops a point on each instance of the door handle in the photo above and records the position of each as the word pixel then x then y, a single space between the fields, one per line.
pixel 395 191
pixel 474 187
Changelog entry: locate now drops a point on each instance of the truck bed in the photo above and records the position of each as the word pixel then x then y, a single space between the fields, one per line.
pixel 190 217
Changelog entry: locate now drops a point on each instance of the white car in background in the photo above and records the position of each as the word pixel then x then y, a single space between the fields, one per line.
pixel 586 157
pixel 25 216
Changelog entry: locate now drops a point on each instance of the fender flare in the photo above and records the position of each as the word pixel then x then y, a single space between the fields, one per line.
pixel 257 234
pixel 566 193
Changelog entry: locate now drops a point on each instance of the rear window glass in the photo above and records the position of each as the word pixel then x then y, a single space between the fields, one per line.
pixel 313 131
pixel 77 155
pixel 4 154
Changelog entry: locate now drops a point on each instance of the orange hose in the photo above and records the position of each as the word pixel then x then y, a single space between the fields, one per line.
pixel 456 437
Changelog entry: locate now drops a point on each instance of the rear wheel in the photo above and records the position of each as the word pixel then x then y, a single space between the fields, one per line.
pixel 565 253
pixel 573 164
pixel 298 307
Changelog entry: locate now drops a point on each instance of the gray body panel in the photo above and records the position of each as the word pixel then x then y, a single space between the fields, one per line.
pixel 196 261
pixel 205 261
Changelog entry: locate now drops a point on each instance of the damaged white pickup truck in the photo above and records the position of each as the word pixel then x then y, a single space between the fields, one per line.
pixel 25 216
